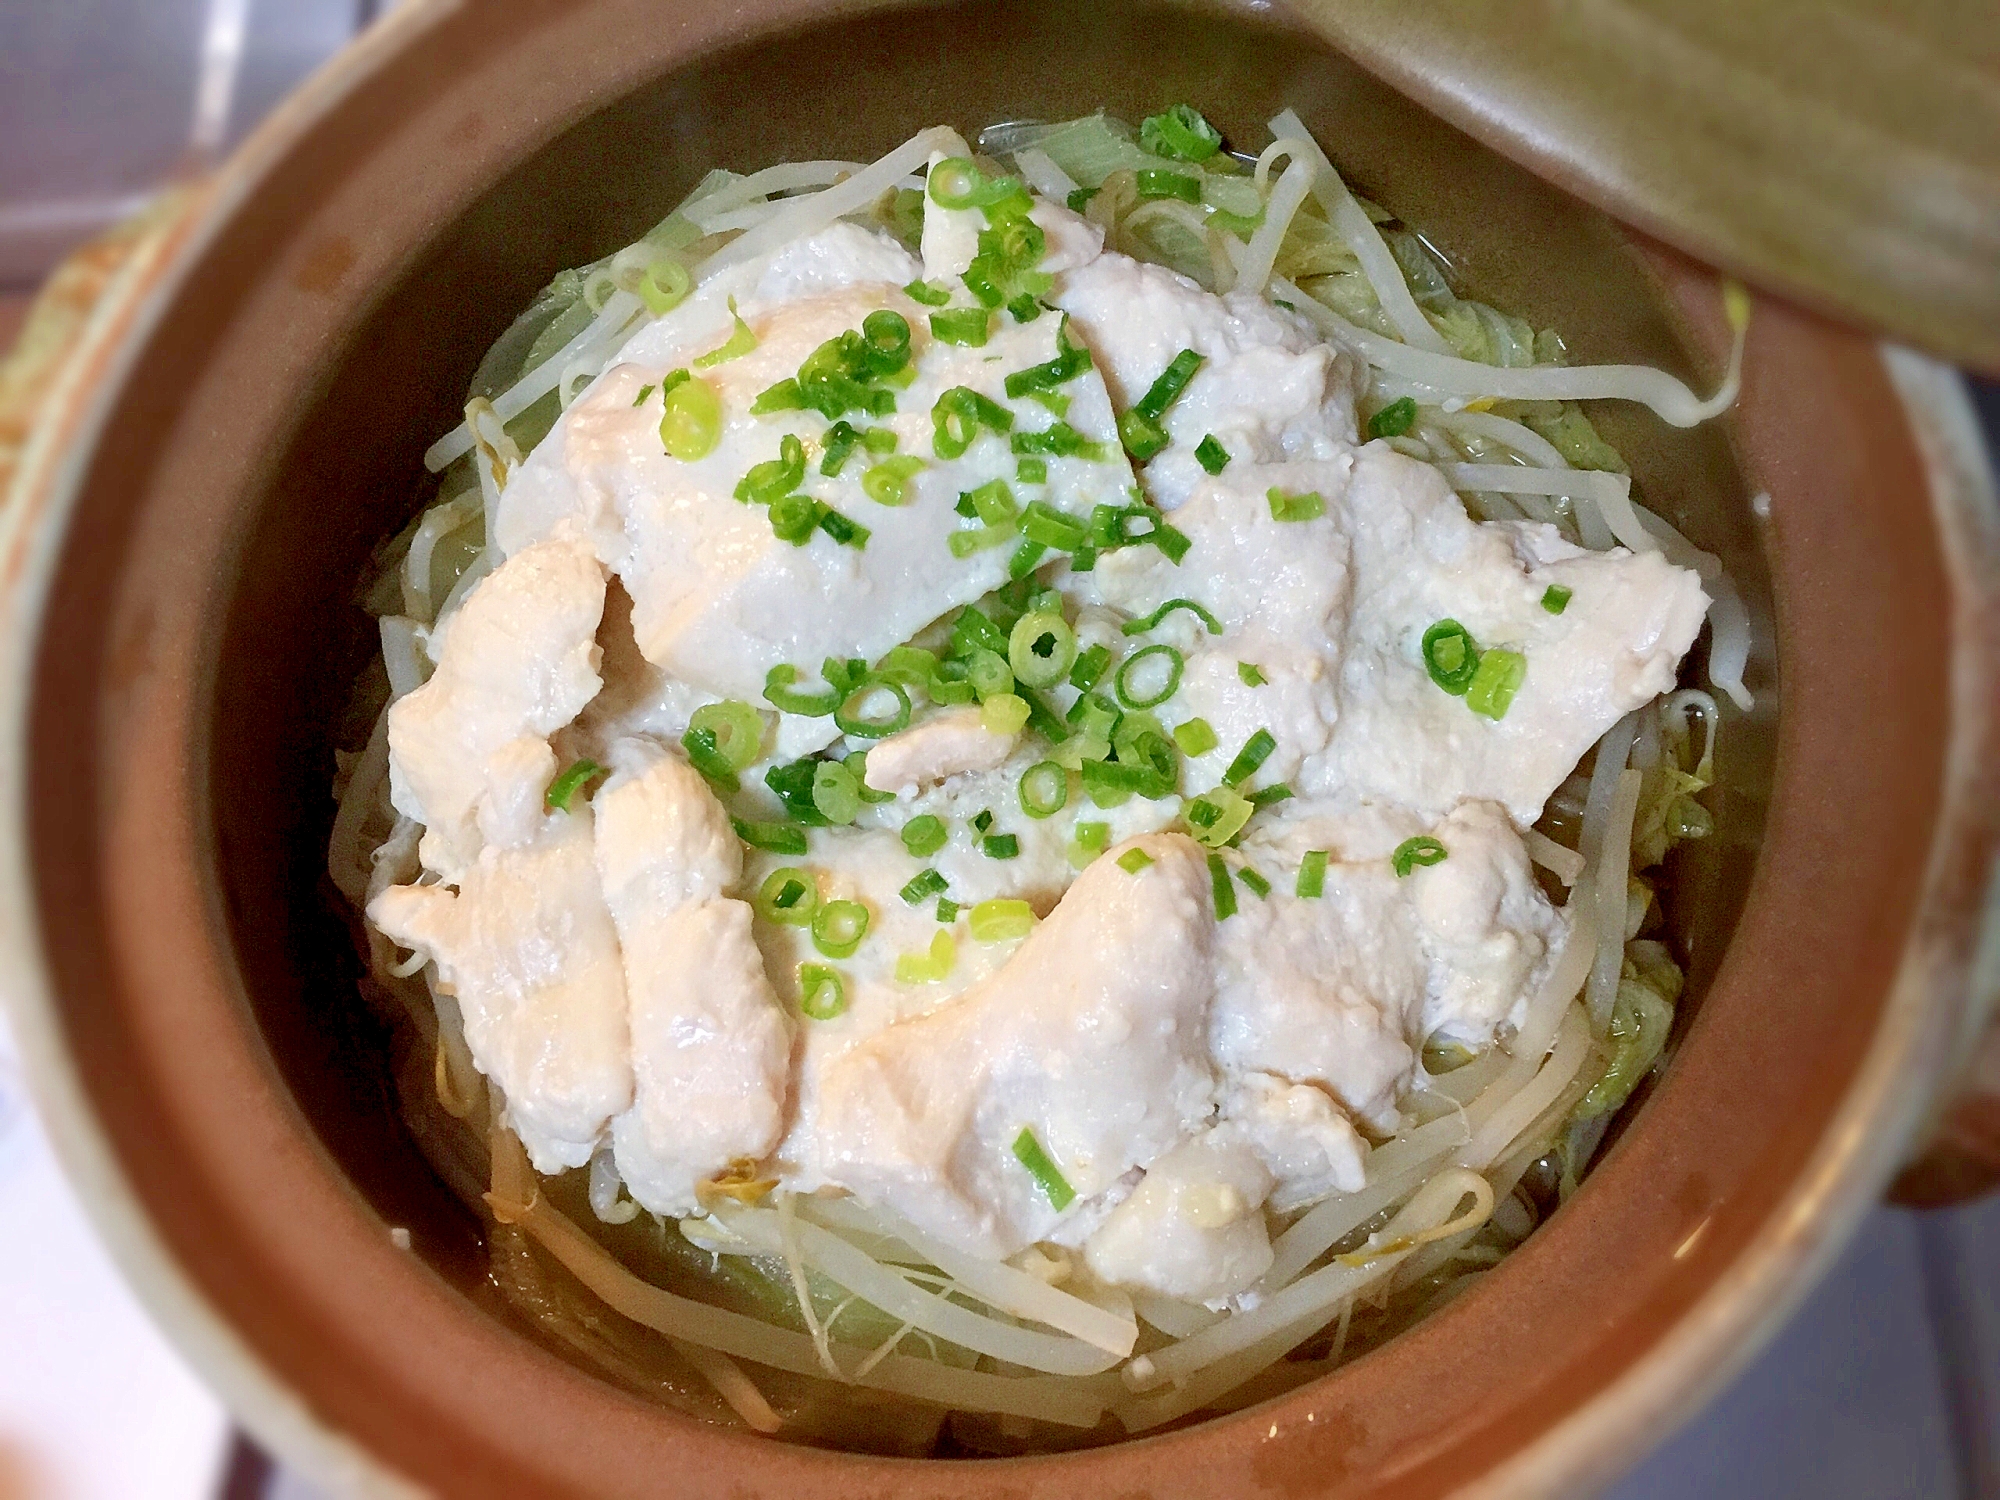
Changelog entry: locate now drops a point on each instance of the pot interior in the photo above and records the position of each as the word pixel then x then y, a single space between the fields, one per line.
pixel 350 473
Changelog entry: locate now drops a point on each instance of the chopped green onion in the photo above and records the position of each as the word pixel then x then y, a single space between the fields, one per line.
pixel 1070 361
pixel 775 838
pixel 1308 506
pixel 922 886
pixel 835 792
pixel 1395 419
pixel 1195 737
pixel 822 992
pixel 928 968
pixel 851 717
pixel 857 763
pixel 1025 308
pixel 788 895
pixel 739 343
pixel 1498 678
pixel 1555 598
pixel 1451 657
pixel 663 285
pixel 1005 713
pixel 1422 850
pixel 959 414
pixel 1032 471
pixel 703 755
pixel 966 327
pixel 1040 648
pixel 924 835
pixel 644 392
pixel 1256 750
pixel 784 396
pixel 779 693
pixel 1222 888
pixel 947 909
pixel 1133 860
pixel 847 533
pixel 793 785
pixel 1154 183
pixel 1243 226
pixel 1027 557
pixel 982 820
pixel 1090 665
pixel 1087 841
pixel 1059 440
pixel 992 502
pixel 885 342
pixel 927 292
pixel 888 483
pixel 793 518
pixel 1218 815
pixel 1043 523
pixel 1001 921
pixel 838 928
pixel 1312 874
pixel 566 786
pixel 690 420
pixel 1054 401
pixel 1251 674
pixel 1079 199
pixel 1055 1187
pixel 1044 788
pixel 1255 881
pixel 841 441
pixel 956 182
pixel 1143 436
pixel 1167 388
pixel 1271 796
pixel 1211 455
pixel 777 477
pixel 1181 132
pixel 1152 621
pixel 1126 685
pixel 976 539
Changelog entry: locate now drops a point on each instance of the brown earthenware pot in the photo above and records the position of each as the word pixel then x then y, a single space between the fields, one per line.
pixel 242 422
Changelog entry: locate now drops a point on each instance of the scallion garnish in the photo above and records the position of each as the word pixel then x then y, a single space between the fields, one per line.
pixel 1312 874
pixel 1086 841
pixel 739 343
pixel 1309 506
pixel 982 820
pixel 1250 674
pixel 1005 713
pixel 928 968
pixel 1127 684
pixel 1059 440
pixel 1027 557
pixel 1079 199
pixel 1155 183
pixel 1166 389
pixel 1143 436
pixel 1256 750
pixel 1422 850
pixel 1211 455
pixel 644 392
pixel 702 754
pixel 852 716
pixel 690 419
pixel 1255 881
pixel 1151 622
pixel 736 731
pixel 1555 598
pixel 792 784
pixel 922 886
pixel 1499 676
pixel 1040 648
pixel 1001 920
pixel 1055 1187
pixel 774 838
pixel 778 691
pixel 1046 526
pixel 1179 132
pixel 924 835
pixel 1218 815
pixel 836 792
pixel 838 928
pixel 784 396
pixel 1044 789
pixel 822 992
pixel 774 478
pixel 1089 668
pixel 1132 861
pixel 1025 308
pixel 566 786
pixel 847 533
pixel 947 909
pixel 1195 737
pixel 663 285
pixel 966 327
pixel 1222 888
pixel 1395 419
pixel 1271 796
pixel 1070 361
pixel 958 416
pixel 787 896
pixel 888 483
pixel 927 292
pixel 1450 656
pixel 793 518
pixel 974 539
pixel 1032 471
pixel 1000 846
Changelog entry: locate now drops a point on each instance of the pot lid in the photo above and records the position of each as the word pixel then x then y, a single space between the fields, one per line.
pixel 1842 152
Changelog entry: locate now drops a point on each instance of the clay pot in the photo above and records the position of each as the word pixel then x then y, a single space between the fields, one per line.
pixel 243 421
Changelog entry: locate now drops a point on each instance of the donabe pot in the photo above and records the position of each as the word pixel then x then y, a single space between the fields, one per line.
pixel 244 422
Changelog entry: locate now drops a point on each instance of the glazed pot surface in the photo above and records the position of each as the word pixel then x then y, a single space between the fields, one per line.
pixel 196 637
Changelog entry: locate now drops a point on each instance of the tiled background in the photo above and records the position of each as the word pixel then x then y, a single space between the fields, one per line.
pixel 1887 1383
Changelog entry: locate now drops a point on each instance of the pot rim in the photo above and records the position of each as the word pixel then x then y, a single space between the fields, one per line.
pixel 1945 986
